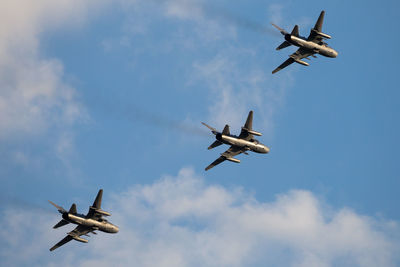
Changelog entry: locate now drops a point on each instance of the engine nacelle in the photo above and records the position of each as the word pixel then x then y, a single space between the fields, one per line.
pixel 323 35
pixel 80 239
pixel 233 160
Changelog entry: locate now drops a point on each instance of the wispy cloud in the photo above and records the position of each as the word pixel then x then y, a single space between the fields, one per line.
pixel 34 97
pixel 182 221
pixel 236 79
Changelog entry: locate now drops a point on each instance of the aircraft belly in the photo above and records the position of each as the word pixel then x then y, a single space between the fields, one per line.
pixel 234 141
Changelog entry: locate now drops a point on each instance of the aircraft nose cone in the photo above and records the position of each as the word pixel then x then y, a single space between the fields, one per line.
pixel 115 229
pixel 335 53
pixel 266 149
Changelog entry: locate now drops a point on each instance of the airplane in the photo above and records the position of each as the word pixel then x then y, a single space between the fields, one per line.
pixel 313 44
pixel 239 144
pixel 88 223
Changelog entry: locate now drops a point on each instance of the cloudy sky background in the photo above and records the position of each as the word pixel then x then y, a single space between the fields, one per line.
pixel 110 94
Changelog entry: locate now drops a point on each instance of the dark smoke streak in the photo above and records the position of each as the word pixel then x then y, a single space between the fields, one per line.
pixel 217 13
pixel 21 204
pixel 223 14
pixel 135 114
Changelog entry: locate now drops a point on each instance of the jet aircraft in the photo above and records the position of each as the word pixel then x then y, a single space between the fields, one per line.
pixel 313 44
pixel 239 144
pixel 88 223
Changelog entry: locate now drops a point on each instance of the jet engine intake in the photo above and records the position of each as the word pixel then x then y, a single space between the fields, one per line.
pixel 233 160
pixel 80 239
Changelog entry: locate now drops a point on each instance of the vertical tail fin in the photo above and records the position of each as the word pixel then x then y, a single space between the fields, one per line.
pixel 295 31
pixel 226 130
pixel 72 210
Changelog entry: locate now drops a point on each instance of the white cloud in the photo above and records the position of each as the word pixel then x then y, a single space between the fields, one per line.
pixel 35 100
pixel 182 221
pixel 33 95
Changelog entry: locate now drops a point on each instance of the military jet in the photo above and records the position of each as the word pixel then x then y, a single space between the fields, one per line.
pixel 313 44
pixel 90 223
pixel 239 144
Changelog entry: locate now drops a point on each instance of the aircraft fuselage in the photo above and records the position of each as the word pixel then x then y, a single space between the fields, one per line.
pixel 254 146
pixel 103 226
pixel 316 48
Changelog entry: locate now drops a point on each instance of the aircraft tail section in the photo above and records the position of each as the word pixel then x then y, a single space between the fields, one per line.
pixel 226 130
pixel 97 201
pixel 320 21
pixel 295 31
pixel 60 223
pixel 72 210
pixel 283 45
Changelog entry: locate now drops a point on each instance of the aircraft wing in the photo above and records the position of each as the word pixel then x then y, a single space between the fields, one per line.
pixel 96 206
pixel 248 126
pixel 230 153
pixel 314 36
pixel 298 55
pixel 78 231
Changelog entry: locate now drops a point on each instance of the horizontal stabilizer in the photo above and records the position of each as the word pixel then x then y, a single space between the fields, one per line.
pixel 60 223
pixel 283 45
pixel 215 144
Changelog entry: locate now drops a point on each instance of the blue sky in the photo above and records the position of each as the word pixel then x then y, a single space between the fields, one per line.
pixel 101 94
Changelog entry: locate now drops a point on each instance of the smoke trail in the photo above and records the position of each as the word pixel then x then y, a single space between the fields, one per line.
pixel 223 14
pixel 135 114
pixel 214 12
pixel 21 204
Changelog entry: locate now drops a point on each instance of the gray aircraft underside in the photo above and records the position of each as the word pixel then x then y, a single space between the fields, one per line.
pixel 239 144
pixel 88 223
pixel 313 44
